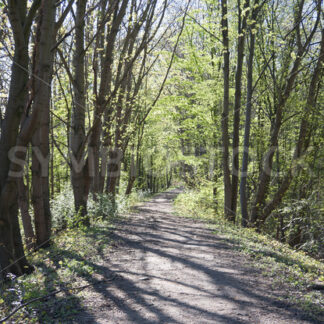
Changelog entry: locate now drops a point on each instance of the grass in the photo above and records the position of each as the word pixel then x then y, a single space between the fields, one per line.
pixel 291 271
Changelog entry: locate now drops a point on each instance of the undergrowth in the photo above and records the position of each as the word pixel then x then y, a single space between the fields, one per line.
pixel 291 271
pixel 74 259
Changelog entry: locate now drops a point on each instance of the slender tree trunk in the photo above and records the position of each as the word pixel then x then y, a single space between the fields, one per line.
pixel 114 166
pixel 115 157
pixel 225 115
pixel 94 153
pixel 237 106
pixel 23 202
pixel 305 131
pixel 52 159
pixel 77 136
pixel 116 14
pixel 40 157
pixel 169 178
pixel 247 127
pixel 132 174
pixel 265 175
pixel 105 64
pixel 12 257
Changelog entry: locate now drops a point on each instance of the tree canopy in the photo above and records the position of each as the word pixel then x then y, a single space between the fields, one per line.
pixel 112 96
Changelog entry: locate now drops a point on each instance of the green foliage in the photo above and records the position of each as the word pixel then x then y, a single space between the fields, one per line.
pixel 138 196
pixel 304 224
pixel 62 208
pixel 64 216
pixel 102 207
pixel 198 203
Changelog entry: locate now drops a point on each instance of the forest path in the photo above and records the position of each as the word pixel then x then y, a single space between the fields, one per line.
pixel 175 270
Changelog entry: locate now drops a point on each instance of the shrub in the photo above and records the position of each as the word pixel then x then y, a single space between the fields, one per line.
pixel 103 207
pixel 62 208
pixel 198 203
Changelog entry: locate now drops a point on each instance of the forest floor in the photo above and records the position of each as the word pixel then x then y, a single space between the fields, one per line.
pixel 162 268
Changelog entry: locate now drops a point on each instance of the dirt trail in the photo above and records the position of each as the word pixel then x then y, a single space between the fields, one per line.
pixel 174 270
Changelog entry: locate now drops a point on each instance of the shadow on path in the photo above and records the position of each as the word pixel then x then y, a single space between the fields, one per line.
pixel 174 270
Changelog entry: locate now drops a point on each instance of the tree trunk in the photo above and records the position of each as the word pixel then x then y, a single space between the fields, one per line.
pixel 247 127
pixel 237 106
pixel 169 178
pixel 12 257
pixel 305 131
pixel 23 203
pixel 225 115
pixel 44 60
pixel 77 135
pixel 132 174
pixel 116 14
pixel 114 166
pixel 265 175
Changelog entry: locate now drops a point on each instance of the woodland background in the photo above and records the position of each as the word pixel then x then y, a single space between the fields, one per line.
pixel 102 98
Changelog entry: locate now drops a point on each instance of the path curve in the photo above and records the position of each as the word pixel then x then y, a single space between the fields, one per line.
pixel 175 270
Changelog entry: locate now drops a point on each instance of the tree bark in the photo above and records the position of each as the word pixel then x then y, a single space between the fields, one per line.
pixel 132 174
pixel 225 115
pixel 247 127
pixel 237 106
pixel 116 15
pixel 77 136
pixel 12 258
pixel 44 60
pixel 23 203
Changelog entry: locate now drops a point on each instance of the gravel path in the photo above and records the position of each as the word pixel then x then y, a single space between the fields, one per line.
pixel 174 270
